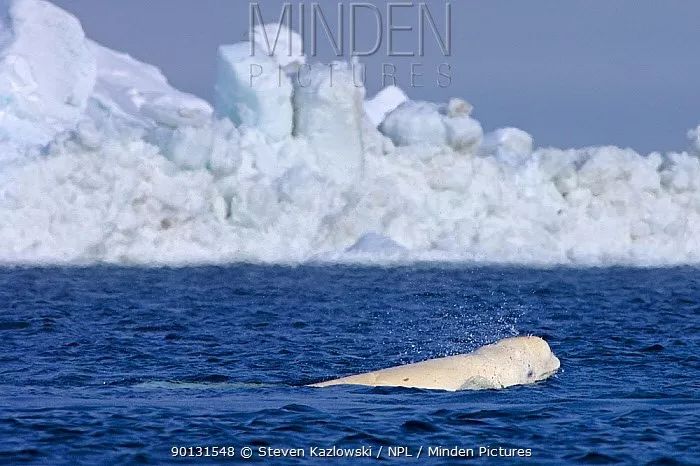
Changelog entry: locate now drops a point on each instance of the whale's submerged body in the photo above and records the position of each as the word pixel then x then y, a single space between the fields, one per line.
pixel 510 362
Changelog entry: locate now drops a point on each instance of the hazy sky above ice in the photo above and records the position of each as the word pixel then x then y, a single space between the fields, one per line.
pixel 572 72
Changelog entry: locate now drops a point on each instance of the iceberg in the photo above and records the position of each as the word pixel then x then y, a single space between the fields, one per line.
pixel 103 161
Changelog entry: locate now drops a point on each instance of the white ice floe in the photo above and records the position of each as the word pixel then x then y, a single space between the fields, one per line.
pixel 101 160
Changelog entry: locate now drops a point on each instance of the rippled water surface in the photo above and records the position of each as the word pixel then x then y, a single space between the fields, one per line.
pixel 111 365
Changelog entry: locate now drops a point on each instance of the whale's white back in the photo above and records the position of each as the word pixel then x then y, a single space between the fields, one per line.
pixel 514 361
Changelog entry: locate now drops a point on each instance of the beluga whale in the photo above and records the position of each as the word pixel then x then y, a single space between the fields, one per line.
pixel 507 363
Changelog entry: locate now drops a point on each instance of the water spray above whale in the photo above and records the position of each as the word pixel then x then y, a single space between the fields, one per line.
pixel 510 362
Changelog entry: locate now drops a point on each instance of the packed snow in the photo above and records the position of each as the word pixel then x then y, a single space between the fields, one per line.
pixel 103 161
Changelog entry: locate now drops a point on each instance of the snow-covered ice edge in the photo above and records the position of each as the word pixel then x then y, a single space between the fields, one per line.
pixel 102 161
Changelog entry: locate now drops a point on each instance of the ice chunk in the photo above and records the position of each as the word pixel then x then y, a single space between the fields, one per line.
pixel 508 144
pixel 373 244
pixel 426 123
pixel 281 44
pixel 88 135
pixel 459 108
pixel 254 91
pixel 463 133
pixel 47 71
pixel 385 102
pixel 328 112
pixel 214 147
pixel 415 123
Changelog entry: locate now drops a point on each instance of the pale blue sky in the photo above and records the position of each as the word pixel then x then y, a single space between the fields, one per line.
pixel 571 72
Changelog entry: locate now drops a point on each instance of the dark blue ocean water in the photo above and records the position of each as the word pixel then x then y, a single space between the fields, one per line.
pixel 110 365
